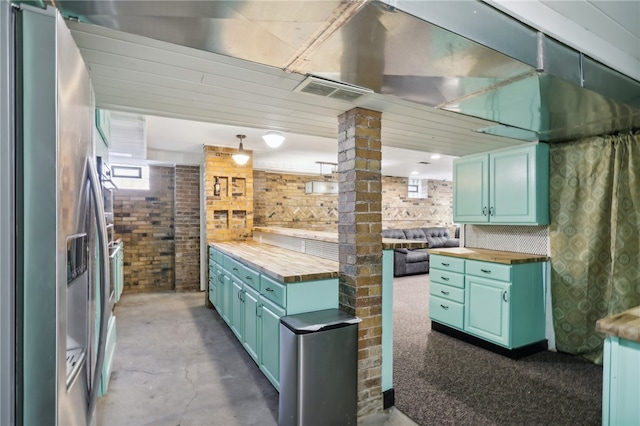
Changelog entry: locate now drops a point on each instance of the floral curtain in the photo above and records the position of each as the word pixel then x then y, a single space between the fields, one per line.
pixel 595 237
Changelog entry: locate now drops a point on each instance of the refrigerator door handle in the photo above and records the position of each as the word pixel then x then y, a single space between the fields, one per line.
pixel 96 195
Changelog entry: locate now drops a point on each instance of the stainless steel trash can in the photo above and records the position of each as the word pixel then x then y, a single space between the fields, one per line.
pixel 318 369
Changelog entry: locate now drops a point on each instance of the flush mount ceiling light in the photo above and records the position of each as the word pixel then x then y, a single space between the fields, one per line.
pixel 273 139
pixel 240 157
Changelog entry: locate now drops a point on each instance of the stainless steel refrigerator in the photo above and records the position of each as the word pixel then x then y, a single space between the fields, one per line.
pixel 62 269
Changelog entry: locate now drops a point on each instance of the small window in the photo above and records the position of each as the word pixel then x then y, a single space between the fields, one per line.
pixel 133 172
pixel 417 188
pixel 127 176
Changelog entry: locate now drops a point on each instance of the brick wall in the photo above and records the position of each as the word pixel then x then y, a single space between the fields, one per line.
pixel 400 211
pixel 280 201
pixel 187 228
pixel 144 220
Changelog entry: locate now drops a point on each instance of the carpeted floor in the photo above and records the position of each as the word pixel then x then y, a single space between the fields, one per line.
pixel 440 380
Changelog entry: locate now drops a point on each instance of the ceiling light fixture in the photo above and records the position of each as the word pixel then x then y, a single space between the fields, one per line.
pixel 435 156
pixel 273 139
pixel 240 157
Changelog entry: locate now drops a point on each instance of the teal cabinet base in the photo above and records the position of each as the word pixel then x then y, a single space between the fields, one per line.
pixel 514 353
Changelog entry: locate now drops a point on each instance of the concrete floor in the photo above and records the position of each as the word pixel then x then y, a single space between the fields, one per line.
pixel 178 363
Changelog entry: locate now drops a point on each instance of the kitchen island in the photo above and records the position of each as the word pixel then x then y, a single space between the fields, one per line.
pixel 286 271
pixel 621 368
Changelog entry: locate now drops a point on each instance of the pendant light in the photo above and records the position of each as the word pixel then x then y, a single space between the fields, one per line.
pixel 273 139
pixel 240 157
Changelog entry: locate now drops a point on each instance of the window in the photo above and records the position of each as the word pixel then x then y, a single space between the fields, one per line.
pixel 417 188
pixel 127 176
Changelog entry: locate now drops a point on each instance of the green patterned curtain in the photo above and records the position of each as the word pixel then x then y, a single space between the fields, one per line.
pixel 595 237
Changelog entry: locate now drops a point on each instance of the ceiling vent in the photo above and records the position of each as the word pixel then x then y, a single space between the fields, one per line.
pixel 331 89
pixel 128 136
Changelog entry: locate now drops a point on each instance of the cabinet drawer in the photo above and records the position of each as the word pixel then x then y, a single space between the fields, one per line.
pixel 489 270
pixel 446 263
pixel 233 266
pixel 273 290
pixel 212 293
pixel 446 311
pixel 445 277
pixel 251 278
pixel 446 292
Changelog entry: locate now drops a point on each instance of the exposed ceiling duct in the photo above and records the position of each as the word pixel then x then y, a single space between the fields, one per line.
pixel 460 56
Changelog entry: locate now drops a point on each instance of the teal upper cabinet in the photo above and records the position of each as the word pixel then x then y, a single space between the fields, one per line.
pixel 103 125
pixel 471 189
pixel 507 187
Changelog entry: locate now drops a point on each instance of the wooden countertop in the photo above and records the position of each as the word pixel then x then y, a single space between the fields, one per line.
pixel 496 256
pixel 284 265
pixel 625 325
pixel 332 237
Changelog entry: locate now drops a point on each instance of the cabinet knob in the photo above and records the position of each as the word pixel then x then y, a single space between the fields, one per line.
pixel 446 293
pixel 444 307
pixel 445 278
pixel 269 289
pixel 504 296
pixel 484 211
pixel 444 264
pixel 248 278
pixel 491 211
pixel 486 271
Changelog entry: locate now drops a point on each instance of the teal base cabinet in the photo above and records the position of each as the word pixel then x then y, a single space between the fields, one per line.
pixel 498 306
pixel 621 382
pixel 252 303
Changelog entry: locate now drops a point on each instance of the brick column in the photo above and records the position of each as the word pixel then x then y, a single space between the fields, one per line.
pixel 187 228
pixel 360 248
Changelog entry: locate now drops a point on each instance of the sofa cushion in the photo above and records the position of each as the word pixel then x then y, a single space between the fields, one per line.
pixel 417 255
pixel 393 233
pixel 436 236
pixel 414 234
pixel 452 242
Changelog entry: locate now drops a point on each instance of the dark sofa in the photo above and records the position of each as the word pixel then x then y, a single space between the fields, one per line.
pixel 416 261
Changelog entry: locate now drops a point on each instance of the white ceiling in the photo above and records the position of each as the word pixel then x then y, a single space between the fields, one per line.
pixel 195 97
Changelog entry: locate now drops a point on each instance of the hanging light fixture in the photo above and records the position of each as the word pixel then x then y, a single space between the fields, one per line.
pixel 273 139
pixel 240 157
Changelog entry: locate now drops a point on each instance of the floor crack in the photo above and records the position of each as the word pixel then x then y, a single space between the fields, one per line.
pixel 195 391
pixel 151 373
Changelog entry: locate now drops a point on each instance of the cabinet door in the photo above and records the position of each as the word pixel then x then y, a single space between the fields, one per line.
pixel 250 330
pixel 513 186
pixel 270 341
pixel 487 309
pixel 471 189
pixel 236 308
pixel 225 296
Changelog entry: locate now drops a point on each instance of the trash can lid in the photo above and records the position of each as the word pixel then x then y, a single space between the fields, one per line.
pixel 318 320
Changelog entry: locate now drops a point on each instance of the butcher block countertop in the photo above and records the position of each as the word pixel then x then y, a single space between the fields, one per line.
pixel 625 325
pixel 284 265
pixel 496 256
pixel 332 237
